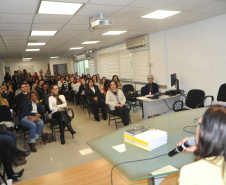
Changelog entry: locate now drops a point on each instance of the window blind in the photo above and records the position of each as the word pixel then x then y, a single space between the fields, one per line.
pixel 124 62
pixel 91 67
pixel 140 66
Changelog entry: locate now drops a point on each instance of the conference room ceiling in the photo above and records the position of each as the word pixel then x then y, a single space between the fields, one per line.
pixel 19 17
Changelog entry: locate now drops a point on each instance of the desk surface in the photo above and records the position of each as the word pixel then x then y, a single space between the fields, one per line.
pixel 146 98
pixel 172 123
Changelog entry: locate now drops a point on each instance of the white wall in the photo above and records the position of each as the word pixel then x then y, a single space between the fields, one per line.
pixel 37 65
pixel 196 52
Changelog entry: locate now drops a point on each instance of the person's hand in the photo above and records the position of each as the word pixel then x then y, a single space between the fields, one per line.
pixel 117 105
pixel 55 105
pixel 95 98
pixel 38 115
pixel 121 105
pixel 188 149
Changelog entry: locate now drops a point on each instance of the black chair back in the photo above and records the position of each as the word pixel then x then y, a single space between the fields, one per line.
pixel 222 93
pixel 127 87
pixel 195 98
pixel 5 114
pixel 142 91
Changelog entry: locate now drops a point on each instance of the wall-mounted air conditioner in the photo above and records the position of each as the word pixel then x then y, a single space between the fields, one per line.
pixel 89 55
pixel 138 43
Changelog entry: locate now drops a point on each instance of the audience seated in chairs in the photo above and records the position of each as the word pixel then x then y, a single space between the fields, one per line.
pixel 96 100
pixel 7 94
pixel 151 87
pixel 58 105
pixel 30 117
pixel 39 87
pixel 116 100
pixel 6 151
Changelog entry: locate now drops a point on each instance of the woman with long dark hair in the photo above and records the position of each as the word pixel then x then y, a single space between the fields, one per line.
pixel 209 167
pixel 116 79
pixel 58 106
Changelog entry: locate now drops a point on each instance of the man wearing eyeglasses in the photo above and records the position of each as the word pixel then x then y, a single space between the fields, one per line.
pixel 20 98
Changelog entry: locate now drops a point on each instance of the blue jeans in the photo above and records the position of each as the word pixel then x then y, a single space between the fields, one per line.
pixel 10 136
pixel 35 128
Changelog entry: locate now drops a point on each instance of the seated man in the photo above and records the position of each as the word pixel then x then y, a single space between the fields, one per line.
pixel 151 87
pixel 20 98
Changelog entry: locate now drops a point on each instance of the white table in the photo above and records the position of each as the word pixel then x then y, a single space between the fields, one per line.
pixel 157 106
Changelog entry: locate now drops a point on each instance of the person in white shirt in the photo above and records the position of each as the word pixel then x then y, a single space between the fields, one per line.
pixel 209 167
pixel 58 105
pixel 116 100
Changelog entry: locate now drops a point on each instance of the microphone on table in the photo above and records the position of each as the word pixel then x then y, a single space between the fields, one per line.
pixel 190 142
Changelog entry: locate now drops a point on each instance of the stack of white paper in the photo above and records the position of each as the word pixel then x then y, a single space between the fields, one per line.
pixel 145 138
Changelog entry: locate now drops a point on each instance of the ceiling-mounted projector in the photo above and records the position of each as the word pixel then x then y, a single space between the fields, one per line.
pixel 101 23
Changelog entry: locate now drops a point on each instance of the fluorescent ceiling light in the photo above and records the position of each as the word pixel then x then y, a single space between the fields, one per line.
pixel 62 8
pixel 90 42
pixel 43 33
pixel 75 48
pixel 55 57
pixel 114 32
pixel 27 58
pixel 160 14
pixel 36 44
pixel 32 49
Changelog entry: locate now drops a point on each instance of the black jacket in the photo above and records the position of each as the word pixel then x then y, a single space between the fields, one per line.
pixel 90 94
pixel 19 99
pixel 27 108
pixel 155 88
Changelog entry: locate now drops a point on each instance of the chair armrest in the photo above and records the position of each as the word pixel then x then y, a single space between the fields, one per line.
pixel 212 99
pixel 176 107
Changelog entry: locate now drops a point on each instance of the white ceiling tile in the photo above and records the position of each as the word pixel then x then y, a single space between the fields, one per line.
pixel 11 27
pixel 47 26
pixel 211 7
pixel 119 20
pixel 16 18
pixel 14 37
pixel 132 12
pixel 79 20
pixel 154 4
pixel 92 10
pixel 115 2
pixel 75 27
pixel 51 19
pixel 14 33
pixel 185 5
pixel 19 6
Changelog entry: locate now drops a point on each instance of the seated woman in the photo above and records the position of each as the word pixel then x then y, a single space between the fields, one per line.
pixel 151 87
pixel 58 106
pixel 106 86
pixel 116 100
pixel 210 164
pixel 30 117
pixel 116 79
pixel 101 85
pixel 6 150
pixel 94 77
pixel 96 101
